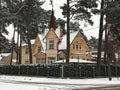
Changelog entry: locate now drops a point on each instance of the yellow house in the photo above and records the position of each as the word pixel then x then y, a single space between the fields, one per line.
pixel 51 46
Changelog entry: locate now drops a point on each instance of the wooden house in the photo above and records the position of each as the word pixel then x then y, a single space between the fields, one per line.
pixel 51 46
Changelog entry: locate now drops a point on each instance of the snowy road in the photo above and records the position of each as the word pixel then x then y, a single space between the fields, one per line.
pixel 37 83
pixel 20 85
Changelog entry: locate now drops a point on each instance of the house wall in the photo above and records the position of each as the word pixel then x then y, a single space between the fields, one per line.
pixel 36 54
pixel 82 50
pixel 51 52
pixel 25 56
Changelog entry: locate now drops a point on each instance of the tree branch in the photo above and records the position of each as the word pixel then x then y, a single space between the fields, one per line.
pixel 21 9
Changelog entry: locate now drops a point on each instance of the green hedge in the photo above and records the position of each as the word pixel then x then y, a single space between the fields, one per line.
pixel 60 70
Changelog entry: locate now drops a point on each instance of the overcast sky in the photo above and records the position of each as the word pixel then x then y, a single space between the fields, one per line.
pixel 88 31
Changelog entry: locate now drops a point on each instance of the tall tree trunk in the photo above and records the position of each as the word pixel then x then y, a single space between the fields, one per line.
pixel 12 47
pixel 0 4
pixel 105 47
pixel 30 49
pixel 28 2
pixel 109 70
pixel 106 41
pixel 17 56
pixel 20 33
pixel 68 32
pixel 107 50
pixel 100 38
pixel 20 48
pixel 0 22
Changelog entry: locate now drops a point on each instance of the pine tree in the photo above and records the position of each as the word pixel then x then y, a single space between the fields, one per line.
pixel 79 10
pixel 4 21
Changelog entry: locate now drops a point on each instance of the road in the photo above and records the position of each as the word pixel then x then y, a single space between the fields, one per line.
pixel 20 85
pixel 114 87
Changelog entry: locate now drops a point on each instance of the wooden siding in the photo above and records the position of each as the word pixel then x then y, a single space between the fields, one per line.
pixel 78 48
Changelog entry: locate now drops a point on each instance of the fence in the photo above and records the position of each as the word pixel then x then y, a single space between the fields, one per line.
pixel 60 70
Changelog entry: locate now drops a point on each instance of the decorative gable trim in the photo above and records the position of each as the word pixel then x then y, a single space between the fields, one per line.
pixel 52 31
pixel 82 39
pixel 35 44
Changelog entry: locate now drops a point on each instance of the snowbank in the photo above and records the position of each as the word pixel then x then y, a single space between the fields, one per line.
pixel 95 81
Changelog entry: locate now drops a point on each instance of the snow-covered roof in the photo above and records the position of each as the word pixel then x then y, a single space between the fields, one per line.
pixel 57 31
pixel 75 61
pixel 4 55
pixel 41 36
pixel 45 33
pixel 63 44
pixel 32 42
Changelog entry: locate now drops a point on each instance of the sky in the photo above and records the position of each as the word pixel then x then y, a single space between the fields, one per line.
pixel 88 31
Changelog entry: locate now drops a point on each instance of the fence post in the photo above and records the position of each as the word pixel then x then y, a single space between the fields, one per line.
pixel 62 69
pixel 93 71
pixel 27 70
pixel 80 71
pixel 116 71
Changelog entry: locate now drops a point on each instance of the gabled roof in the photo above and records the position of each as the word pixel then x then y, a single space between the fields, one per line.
pixel 4 55
pixel 63 43
pixel 53 31
pixel 32 42
pixel 41 36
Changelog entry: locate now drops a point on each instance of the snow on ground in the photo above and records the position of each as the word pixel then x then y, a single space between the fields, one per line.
pixel 61 81
pixel 41 83
pixel 9 86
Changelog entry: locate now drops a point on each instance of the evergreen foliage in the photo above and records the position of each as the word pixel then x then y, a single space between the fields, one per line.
pixel 4 21
pixel 81 10
pixel 93 43
pixel 57 70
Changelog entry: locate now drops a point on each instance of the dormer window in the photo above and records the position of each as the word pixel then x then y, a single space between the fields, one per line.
pixel 51 44
pixel 39 49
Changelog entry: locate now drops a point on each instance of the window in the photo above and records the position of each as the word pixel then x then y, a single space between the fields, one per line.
pixel 26 51
pixel 51 44
pixel 80 47
pixel 39 49
pixel 73 46
pixel 77 47
pixel 51 60
pixel 40 61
